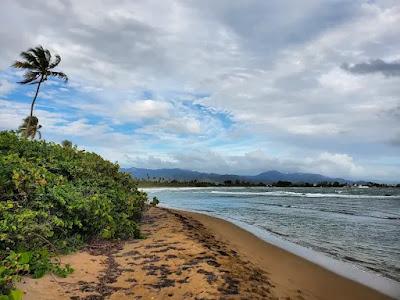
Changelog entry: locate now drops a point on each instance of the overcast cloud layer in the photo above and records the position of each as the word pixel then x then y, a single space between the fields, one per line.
pixel 221 86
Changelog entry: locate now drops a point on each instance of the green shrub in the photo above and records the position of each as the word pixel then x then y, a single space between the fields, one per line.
pixel 55 198
pixel 155 201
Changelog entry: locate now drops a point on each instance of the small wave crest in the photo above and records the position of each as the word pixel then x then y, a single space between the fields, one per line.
pixel 306 195
pixel 161 189
pixel 336 211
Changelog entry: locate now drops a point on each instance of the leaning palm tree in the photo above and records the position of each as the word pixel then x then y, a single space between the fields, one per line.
pixel 30 127
pixel 39 64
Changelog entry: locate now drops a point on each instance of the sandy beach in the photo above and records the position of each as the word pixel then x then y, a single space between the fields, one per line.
pixel 192 256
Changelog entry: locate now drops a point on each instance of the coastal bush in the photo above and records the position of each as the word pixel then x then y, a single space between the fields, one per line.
pixel 54 199
pixel 155 201
pixel 66 143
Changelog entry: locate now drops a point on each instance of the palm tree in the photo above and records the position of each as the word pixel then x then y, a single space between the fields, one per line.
pixel 38 63
pixel 30 127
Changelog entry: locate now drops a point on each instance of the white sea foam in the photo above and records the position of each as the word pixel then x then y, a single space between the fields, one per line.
pixel 306 195
pixel 159 189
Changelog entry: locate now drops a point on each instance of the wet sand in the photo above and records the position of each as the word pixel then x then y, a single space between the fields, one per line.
pixel 192 256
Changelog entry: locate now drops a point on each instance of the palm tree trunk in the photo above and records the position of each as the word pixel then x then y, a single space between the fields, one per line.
pixel 34 98
pixel 33 104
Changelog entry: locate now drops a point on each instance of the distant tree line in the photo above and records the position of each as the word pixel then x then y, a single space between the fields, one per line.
pixel 163 182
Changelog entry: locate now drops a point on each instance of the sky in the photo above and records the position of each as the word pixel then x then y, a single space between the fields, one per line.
pixel 220 86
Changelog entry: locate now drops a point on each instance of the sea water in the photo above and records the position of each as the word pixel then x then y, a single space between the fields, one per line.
pixel 354 225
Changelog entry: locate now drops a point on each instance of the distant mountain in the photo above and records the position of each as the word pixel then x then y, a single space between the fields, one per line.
pixel 265 177
pixel 273 176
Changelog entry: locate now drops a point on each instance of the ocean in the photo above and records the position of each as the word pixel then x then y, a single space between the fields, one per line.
pixel 360 226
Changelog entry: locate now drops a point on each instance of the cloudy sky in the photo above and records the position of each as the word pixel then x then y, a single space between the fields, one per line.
pixel 224 86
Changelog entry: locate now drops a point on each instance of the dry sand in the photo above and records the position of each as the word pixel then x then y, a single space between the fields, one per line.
pixel 192 256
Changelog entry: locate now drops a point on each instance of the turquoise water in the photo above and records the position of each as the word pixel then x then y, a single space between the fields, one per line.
pixel 359 226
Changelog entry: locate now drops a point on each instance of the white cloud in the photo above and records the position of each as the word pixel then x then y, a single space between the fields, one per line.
pixel 10 115
pixel 338 81
pixel 144 109
pixel 185 125
pixel 272 68
pixel 6 87
pixel 335 164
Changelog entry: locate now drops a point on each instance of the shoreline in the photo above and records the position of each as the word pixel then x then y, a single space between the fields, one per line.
pixel 188 255
pixel 325 279
pixel 370 279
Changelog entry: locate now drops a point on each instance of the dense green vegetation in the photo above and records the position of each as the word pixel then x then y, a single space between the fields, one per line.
pixel 54 199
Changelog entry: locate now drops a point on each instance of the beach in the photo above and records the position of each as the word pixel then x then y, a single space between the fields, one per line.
pixel 187 255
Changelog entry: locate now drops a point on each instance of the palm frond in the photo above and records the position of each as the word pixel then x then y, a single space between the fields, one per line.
pixel 47 54
pixel 55 62
pixel 59 75
pixel 29 57
pixel 30 76
pixel 40 54
pixel 23 65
